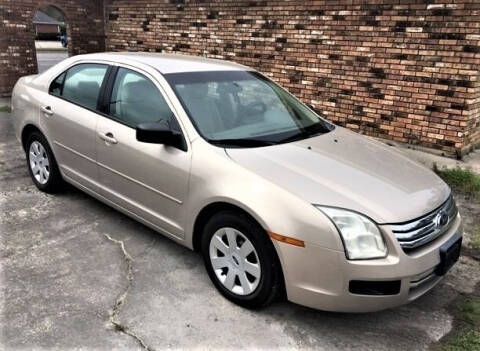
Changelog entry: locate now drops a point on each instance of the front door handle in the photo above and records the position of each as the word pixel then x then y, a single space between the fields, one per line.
pixel 108 137
pixel 47 110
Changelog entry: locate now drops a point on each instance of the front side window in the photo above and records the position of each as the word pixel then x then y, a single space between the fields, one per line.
pixel 242 108
pixel 135 99
pixel 57 85
pixel 80 84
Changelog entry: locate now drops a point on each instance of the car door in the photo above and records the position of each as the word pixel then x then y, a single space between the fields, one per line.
pixel 148 180
pixel 70 116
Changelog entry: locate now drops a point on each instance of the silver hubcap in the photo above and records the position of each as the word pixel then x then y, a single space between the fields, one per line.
pixel 39 163
pixel 235 261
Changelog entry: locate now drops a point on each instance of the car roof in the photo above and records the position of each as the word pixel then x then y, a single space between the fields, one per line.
pixel 168 63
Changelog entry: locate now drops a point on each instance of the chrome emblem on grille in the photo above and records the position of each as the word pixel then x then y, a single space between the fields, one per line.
pixel 441 219
pixel 421 231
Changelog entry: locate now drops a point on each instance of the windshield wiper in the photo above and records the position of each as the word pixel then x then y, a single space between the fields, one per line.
pixel 313 130
pixel 241 142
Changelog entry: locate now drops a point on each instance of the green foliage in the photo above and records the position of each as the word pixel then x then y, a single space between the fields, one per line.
pixel 476 237
pixel 467 338
pixel 469 310
pixel 462 180
pixel 5 108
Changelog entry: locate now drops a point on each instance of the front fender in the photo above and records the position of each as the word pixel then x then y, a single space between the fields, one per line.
pixel 217 178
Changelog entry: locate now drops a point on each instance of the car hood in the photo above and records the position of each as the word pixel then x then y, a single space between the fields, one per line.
pixel 347 170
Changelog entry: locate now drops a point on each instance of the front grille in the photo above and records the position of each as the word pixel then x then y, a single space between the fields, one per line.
pixel 414 234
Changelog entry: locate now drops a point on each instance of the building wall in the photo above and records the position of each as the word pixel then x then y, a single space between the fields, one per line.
pixel 473 135
pixel 85 28
pixel 403 70
pixel 47 28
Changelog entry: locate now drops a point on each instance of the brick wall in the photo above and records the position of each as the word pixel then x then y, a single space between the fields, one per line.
pixel 85 29
pixel 473 135
pixel 404 70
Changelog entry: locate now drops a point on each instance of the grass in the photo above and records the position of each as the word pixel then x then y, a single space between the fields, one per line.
pixel 465 335
pixel 469 310
pixel 476 242
pixel 476 237
pixel 5 108
pixel 468 337
pixel 462 180
pixel 467 340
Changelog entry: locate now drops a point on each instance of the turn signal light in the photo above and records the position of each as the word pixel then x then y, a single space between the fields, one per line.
pixel 286 239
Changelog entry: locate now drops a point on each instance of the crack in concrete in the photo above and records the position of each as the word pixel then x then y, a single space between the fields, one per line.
pixel 119 302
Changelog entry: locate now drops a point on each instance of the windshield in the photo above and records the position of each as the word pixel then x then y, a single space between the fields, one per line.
pixel 243 109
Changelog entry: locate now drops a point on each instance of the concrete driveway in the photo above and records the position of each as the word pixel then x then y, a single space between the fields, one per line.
pixel 49 45
pixel 79 275
pixel 47 59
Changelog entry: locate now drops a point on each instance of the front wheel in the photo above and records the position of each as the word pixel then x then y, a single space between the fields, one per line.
pixel 241 260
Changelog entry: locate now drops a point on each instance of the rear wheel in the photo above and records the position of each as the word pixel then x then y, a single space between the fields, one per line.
pixel 241 260
pixel 41 163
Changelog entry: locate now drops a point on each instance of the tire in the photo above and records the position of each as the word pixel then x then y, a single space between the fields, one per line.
pixel 260 290
pixel 37 146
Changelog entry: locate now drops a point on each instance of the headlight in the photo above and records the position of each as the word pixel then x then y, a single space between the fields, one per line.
pixel 361 237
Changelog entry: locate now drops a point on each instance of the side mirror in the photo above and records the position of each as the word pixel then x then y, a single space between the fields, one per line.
pixel 312 108
pixel 160 133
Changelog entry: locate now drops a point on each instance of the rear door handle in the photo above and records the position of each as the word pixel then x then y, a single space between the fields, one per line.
pixel 108 137
pixel 47 110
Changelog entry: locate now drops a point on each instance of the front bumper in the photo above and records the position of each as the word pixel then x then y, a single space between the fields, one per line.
pixel 319 277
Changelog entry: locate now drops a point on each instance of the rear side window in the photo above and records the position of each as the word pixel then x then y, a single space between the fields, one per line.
pixel 135 99
pixel 80 84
